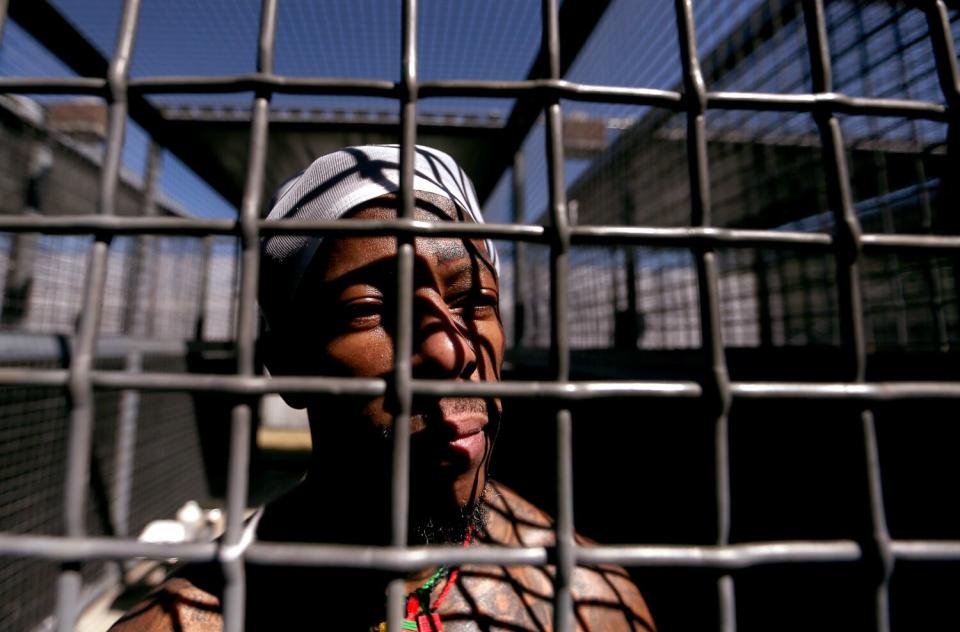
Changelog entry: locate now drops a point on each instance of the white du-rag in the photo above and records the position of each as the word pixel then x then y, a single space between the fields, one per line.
pixel 332 186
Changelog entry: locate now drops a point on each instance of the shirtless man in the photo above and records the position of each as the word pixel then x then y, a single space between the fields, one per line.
pixel 330 307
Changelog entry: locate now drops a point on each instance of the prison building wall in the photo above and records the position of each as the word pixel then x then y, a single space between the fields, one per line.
pixel 766 172
pixel 152 305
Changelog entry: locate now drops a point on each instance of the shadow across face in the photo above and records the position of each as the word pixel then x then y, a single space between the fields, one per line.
pixel 345 324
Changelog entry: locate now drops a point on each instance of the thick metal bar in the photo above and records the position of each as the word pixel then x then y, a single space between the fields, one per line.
pixel 141 274
pixel 370 387
pixel 93 86
pixel 737 556
pixel 181 226
pixel 565 391
pixel 873 392
pixel 403 344
pixel 550 89
pixel 718 382
pixel 566 561
pixel 238 384
pixel 234 592
pixel 847 242
pixel 79 384
pixel 535 88
pixel 948 74
pixel 926 550
pixel 546 89
pixel 563 604
pixel 400 560
pixel 929 244
pixel 409 228
pixel 729 557
pixel 732 557
pixel 38 377
pixel 263 82
pixel 559 245
pixel 234 588
pixel 830 102
pixel 944 53
pixel 857 392
pixel 538 88
pixel 86 548
pixel 675 237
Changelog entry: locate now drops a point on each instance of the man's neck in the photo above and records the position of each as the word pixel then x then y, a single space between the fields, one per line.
pixel 318 510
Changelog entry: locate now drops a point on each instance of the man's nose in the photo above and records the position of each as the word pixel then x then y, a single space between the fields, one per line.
pixel 443 347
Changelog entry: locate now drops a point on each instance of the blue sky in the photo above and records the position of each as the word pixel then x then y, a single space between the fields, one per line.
pixel 495 39
pixel 633 45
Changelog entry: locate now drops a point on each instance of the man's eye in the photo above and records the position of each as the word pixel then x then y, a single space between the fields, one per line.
pixel 477 306
pixel 485 306
pixel 363 313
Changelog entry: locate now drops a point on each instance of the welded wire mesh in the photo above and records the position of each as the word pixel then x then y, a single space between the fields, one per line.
pixel 673 251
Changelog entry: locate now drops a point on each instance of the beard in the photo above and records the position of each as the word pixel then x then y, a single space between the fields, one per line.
pixel 451 526
pixel 438 513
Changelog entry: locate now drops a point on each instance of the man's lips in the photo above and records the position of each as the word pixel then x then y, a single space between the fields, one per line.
pixel 451 432
pixel 467 438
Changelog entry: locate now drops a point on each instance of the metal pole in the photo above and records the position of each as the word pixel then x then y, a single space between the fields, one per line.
pixel 948 74
pixel 80 387
pixel 234 592
pixel 847 243
pixel 563 605
pixel 717 385
pixel 403 345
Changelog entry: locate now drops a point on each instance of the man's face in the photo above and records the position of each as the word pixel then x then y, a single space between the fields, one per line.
pixel 457 335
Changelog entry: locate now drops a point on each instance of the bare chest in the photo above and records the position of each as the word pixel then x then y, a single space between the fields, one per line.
pixel 496 598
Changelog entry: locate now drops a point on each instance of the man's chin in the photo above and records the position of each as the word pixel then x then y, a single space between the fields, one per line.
pixel 448 525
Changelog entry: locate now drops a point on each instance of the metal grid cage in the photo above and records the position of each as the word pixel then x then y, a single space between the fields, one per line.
pixel 846 247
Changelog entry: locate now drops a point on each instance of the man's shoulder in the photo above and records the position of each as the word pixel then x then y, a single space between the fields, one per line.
pixel 605 596
pixel 176 605
pixel 512 520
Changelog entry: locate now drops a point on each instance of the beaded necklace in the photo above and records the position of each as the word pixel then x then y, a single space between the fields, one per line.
pixel 422 616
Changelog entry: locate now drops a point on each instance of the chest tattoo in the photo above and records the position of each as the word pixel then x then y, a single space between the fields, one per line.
pixel 497 598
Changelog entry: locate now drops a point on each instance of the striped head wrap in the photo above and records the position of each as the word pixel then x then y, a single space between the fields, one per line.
pixel 329 189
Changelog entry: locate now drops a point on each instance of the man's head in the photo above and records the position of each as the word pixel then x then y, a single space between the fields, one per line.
pixel 331 306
